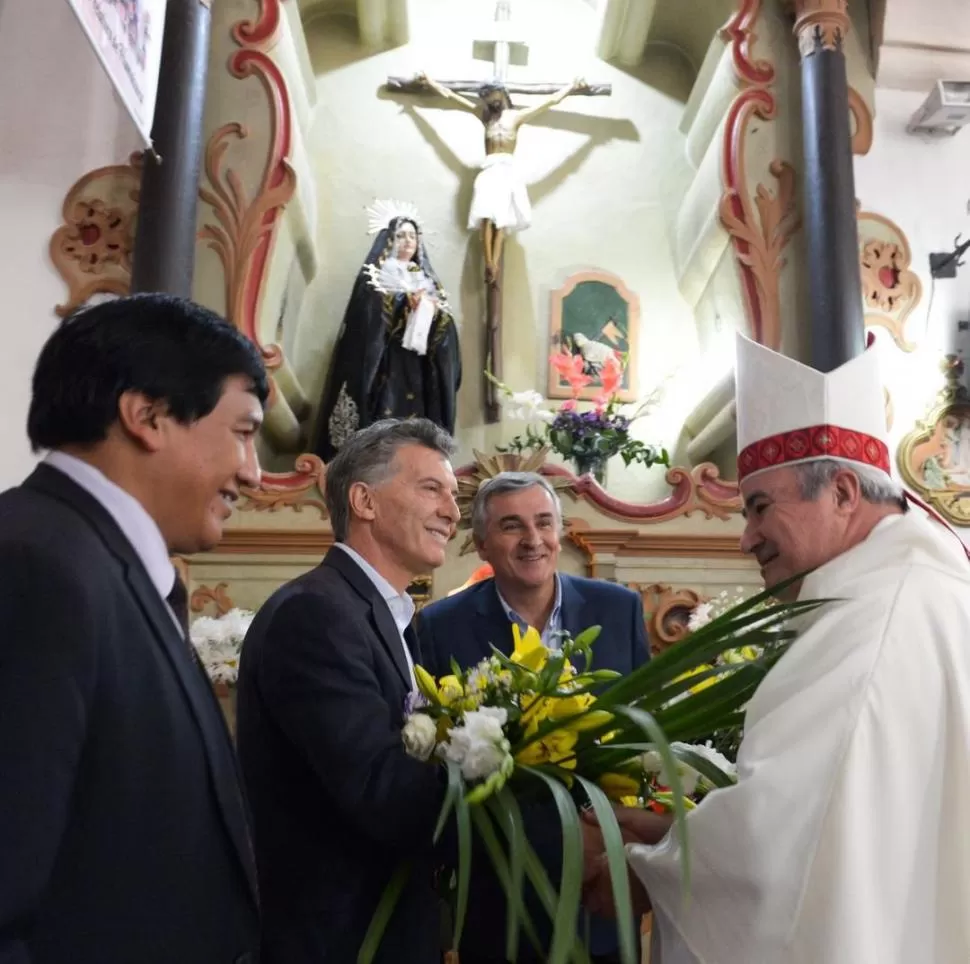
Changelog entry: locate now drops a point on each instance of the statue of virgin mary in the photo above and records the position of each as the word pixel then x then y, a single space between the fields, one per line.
pixel 397 353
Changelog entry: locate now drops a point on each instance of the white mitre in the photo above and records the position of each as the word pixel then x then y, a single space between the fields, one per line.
pixel 789 413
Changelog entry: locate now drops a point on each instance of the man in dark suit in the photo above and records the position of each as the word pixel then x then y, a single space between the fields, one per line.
pixel 516 524
pixel 123 832
pixel 327 669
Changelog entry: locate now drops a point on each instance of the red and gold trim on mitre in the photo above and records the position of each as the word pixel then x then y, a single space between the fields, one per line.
pixel 814 442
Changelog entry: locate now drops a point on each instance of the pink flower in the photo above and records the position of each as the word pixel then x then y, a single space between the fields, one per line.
pixel 570 370
pixel 611 374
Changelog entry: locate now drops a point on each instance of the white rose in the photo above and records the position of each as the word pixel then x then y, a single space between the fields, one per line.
pixel 479 746
pixel 419 735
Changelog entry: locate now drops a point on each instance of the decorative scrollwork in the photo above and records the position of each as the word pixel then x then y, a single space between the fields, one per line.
pixel 891 290
pixel 218 597
pixel 666 611
pixel 92 249
pixel 244 228
pixel 764 239
pixel 289 490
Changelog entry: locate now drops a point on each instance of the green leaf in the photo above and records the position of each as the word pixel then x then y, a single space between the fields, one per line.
pixel 564 925
pixel 517 840
pixel 455 790
pixel 537 877
pixel 385 908
pixel 651 728
pixel 588 636
pixel 616 860
pixel 463 821
pixel 513 892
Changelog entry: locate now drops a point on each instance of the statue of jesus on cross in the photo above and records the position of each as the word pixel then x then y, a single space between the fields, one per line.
pixel 500 201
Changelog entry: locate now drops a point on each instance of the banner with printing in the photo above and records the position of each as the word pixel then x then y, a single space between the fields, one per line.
pixel 127 37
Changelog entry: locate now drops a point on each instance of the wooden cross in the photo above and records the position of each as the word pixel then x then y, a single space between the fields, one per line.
pixel 501 122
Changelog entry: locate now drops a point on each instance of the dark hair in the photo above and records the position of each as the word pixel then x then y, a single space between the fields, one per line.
pixel 495 87
pixel 367 456
pixel 164 347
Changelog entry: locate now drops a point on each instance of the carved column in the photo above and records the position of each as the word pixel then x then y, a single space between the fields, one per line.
pixel 164 254
pixel 837 331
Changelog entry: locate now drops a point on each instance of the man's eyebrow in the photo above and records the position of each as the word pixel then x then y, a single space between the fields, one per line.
pixel 750 501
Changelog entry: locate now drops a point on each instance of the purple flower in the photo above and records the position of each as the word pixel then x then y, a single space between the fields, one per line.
pixel 415 700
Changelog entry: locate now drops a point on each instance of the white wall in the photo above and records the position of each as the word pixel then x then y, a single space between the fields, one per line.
pixel 923 184
pixel 58 119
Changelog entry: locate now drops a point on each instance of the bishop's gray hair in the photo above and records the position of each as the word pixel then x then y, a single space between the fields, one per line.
pixel 499 485
pixel 874 486
pixel 368 456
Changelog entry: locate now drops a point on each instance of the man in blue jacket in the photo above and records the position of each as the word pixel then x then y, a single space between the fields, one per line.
pixel 517 525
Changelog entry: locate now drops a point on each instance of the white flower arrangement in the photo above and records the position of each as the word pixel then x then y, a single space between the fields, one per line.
pixel 479 746
pixel 219 643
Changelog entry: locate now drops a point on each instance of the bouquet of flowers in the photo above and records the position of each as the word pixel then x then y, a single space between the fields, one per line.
pixel 588 439
pixel 219 642
pixel 548 722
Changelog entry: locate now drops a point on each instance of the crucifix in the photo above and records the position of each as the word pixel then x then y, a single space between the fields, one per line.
pixel 500 201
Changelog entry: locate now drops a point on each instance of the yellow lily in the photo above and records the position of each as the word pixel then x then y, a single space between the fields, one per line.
pixel 426 684
pixel 554 747
pixel 618 786
pixel 529 651
pixel 450 690
pixel 564 706
pixel 590 721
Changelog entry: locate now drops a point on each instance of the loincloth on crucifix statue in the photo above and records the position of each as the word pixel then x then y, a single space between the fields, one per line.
pixel 500 196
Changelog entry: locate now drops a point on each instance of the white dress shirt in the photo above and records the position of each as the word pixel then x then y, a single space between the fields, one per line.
pixel 400 604
pixel 550 632
pixel 137 526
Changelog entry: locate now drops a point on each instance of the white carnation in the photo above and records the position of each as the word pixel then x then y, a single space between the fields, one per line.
pixel 419 735
pixel 479 746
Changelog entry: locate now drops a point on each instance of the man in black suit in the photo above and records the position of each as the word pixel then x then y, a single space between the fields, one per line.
pixel 327 668
pixel 123 833
pixel 516 524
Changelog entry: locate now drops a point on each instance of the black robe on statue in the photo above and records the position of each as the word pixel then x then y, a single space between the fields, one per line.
pixel 372 375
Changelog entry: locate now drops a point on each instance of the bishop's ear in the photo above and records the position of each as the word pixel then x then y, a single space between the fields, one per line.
pixel 847 490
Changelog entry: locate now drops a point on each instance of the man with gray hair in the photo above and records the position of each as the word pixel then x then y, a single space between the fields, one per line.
pixel 517 526
pixel 845 838
pixel 327 669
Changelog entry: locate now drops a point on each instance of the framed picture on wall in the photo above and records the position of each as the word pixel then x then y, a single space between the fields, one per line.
pixel 592 314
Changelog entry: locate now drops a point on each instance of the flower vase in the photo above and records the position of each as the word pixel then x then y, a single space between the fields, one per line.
pixel 594 465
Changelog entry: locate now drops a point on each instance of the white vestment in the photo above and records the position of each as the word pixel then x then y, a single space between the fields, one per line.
pixel 499 195
pixel 847 837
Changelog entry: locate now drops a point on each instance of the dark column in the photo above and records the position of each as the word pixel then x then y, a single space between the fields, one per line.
pixel 164 255
pixel 837 330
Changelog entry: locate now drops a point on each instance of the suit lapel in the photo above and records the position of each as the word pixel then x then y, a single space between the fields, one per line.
pixel 383 621
pixel 492 628
pixel 572 615
pixel 198 692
